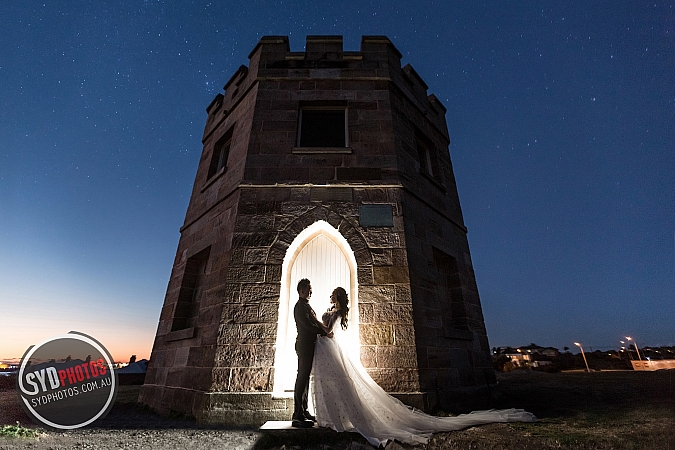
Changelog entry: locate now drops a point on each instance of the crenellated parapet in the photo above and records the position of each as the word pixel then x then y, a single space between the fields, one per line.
pixel 325 59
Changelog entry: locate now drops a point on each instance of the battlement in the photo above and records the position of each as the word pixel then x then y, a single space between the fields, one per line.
pixel 322 48
pixel 324 59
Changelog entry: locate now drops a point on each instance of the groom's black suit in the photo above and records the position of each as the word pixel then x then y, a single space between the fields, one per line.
pixel 308 328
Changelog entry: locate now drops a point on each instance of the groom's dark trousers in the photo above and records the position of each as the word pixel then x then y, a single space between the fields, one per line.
pixel 308 328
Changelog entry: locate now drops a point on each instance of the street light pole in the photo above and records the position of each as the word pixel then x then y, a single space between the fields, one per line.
pixel 637 350
pixel 584 355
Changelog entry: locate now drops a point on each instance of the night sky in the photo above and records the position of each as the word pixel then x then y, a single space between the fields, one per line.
pixel 561 116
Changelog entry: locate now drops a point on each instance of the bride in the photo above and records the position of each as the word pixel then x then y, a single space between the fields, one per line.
pixel 347 399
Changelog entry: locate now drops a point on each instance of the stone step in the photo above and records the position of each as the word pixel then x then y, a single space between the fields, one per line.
pixel 281 425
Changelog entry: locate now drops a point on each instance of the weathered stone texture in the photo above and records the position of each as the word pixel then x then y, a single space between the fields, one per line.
pixel 420 321
pixel 377 334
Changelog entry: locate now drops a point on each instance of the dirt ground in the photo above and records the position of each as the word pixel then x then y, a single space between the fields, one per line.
pixel 602 410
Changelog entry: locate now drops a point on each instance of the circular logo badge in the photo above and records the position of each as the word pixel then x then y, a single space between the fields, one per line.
pixel 67 382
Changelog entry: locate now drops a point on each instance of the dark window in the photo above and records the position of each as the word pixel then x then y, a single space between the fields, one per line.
pixel 426 154
pixel 450 287
pixel 221 151
pixel 323 127
pixel 189 296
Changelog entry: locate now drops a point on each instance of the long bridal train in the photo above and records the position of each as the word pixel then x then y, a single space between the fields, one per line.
pixel 346 398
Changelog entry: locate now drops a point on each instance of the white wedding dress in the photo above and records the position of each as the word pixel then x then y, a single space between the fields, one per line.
pixel 346 398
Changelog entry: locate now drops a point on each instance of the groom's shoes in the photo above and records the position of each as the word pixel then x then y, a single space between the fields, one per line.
pixel 303 423
pixel 308 416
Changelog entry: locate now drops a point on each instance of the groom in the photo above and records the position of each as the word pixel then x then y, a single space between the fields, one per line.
pixel 308 328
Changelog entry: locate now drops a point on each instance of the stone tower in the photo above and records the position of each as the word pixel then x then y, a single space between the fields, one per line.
pixel 330 165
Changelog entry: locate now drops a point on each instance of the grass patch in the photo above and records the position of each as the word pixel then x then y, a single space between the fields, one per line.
pixel 18 431
pixel 602 410
pixel 599 411
pixel 127 394
pixel 582 433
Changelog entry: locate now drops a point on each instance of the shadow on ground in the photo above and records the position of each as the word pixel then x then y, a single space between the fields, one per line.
pixel 598 410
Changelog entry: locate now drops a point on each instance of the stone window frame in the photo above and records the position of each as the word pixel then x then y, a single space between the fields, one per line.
pixel 337 106
pixel 428 159
pixel 192 286
pixel 220 154
pixel 450 279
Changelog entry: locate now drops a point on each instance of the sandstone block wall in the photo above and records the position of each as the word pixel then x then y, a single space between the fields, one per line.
pixel 421 327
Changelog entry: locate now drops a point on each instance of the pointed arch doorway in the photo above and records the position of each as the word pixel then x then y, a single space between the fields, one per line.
pixel 321 254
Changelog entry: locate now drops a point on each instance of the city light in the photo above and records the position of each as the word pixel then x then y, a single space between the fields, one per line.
pixel 624 349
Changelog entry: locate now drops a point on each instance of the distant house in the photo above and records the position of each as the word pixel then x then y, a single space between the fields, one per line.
pixel 541 363
pixel 528 356
pixel 520 360
pixel 534 349
pixel 551 352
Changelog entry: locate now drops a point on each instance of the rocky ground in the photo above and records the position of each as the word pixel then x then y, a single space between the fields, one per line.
pixel 129 426
pixel 615 410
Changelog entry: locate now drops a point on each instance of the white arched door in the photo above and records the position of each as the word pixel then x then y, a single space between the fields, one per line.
pixel 323 256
